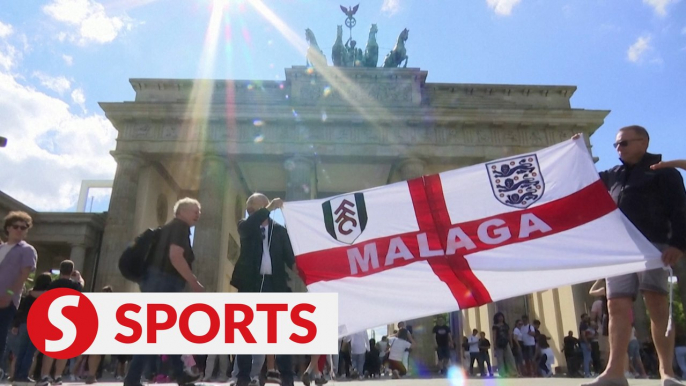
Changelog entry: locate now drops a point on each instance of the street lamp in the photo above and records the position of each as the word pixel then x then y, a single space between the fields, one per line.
pixel 3 141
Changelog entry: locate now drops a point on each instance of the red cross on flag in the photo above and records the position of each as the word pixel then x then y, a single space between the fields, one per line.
pixel 465 238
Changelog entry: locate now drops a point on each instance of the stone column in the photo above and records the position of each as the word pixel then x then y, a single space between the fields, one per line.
pixel 78 256
pixel 423 349
pixel 120 226
pixel 301 185
pixel 208 232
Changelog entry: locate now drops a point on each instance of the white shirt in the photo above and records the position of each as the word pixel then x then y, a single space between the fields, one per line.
pixel 473 344
pixel 517 334
pixel 359 343
pixel 4 250
pixel 266 266
pixel 633 334
pixel 398 349
pixel 550 360
pixel 526 338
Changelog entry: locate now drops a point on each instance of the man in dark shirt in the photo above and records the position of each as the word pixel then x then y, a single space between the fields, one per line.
pixel 571 345
pixel 484 347
pixel 169 271
pixel 444 342
pixel 585 344
pixel 71 279
pixel 655 203
pixel 266 251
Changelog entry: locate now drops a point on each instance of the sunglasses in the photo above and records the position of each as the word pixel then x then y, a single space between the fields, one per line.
pixel 625 142
pixel 22 227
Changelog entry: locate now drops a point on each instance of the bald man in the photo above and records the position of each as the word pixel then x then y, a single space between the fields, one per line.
pixel 261 267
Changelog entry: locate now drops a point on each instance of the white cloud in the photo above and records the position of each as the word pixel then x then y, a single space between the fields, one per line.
pixel 8 56
pixel 58 84
pixel 502 7
pixel 5 30
pixel 390 7
pixel 50 150
pixel 68 59
pixel 660 6
pixel 88 17
pixel 637 51
pixel 79 98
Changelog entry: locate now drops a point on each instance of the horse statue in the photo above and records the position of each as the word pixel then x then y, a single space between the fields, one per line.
pixel 371 52
pixel 315 56
pixel 338 51
pixel 396 57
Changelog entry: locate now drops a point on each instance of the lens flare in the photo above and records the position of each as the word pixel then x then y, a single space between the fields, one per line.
pixel 259 138
pixel 456 376
pixel 258 122
pixel 327 91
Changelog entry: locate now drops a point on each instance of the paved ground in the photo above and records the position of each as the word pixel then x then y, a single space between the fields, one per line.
pixel 437 382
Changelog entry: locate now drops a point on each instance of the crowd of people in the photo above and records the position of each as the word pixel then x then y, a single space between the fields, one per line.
pixel 649 192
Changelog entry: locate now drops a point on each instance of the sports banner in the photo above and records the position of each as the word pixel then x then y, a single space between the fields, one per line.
pixel 465 238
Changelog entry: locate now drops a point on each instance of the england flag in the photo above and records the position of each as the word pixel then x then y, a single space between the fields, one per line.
pixel 461 238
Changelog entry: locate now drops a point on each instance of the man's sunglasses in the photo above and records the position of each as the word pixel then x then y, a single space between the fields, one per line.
pixel 22 227
pixel 625 142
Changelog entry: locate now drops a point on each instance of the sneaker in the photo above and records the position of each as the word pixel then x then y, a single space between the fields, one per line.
pixel 320 380
pixel 119 378
pixel 602 381
pixel 187 379
pixel 91 380
pixel 396 374
pixel 273 376
pixel 233 382
pixel 305 379
pixel 57 381
pixel 254 382
pixel 671 382
pixel 45 381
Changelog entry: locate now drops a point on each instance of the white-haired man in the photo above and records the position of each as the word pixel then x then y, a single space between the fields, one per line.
pixel 261 267
pixel 169 270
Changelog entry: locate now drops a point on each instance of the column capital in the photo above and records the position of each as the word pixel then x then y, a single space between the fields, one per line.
pixel 410 168
pixel 214 157
pixel 128 159
pixel 297 161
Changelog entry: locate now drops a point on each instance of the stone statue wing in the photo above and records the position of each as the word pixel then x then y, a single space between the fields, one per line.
pixel 344 9
pixel 355 9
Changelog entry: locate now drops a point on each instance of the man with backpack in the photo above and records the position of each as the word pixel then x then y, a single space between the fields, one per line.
pixel 168 268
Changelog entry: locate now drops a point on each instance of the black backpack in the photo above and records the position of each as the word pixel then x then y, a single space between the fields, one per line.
pixel 134 261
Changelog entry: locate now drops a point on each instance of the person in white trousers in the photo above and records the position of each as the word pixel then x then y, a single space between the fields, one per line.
pixel 223 367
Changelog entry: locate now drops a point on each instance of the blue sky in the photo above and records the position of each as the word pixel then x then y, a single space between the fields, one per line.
pixel 59 58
